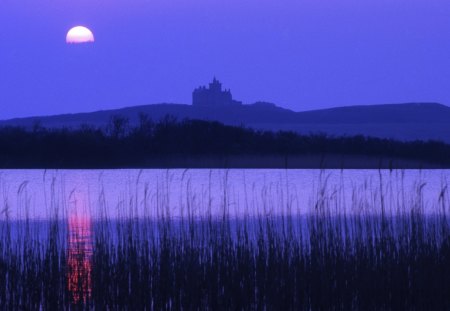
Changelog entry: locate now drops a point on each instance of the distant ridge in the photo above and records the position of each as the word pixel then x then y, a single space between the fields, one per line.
pixel 387 113
pixel 410 121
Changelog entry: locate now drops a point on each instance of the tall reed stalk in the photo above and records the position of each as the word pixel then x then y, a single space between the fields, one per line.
pixel 380 251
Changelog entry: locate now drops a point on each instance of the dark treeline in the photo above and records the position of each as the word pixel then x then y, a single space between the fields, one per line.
pixel 123 145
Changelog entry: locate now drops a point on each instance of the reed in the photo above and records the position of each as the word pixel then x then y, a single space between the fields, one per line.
pixel 377 252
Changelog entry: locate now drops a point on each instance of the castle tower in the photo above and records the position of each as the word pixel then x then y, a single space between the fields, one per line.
pixel 215 86
pixel 213 95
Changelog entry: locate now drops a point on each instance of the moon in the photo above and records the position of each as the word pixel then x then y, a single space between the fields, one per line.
pixel 79 34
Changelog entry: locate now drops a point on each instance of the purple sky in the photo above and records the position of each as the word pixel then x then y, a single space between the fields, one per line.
pixel 300 54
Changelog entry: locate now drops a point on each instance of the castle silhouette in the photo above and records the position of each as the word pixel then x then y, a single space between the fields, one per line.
pixel 213 95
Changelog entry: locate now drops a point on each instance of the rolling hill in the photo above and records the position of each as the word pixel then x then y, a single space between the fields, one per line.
pixel 412 121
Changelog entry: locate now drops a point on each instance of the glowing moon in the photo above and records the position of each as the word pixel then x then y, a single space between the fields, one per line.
pixel 79 34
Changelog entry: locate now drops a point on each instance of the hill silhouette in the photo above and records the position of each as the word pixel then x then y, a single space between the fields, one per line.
pixel 412 121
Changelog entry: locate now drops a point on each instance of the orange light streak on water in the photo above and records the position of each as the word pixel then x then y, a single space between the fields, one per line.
pixel 79 258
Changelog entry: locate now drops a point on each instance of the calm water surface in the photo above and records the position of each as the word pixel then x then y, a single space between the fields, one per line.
pixel 78 197
pixel 119 193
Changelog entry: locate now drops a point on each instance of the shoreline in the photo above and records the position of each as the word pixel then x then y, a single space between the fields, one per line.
pixel 310 161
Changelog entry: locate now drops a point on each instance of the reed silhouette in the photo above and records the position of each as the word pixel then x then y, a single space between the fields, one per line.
pixel 381 251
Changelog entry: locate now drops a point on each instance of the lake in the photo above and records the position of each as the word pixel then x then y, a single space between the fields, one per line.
pixel 38 194
pixel 173 239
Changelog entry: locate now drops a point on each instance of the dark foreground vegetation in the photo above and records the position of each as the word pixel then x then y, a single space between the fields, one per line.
pixel 192 143
pixel 349 263
pixel 384 249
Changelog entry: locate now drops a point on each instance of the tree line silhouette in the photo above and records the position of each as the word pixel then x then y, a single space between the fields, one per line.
pixel 121 144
